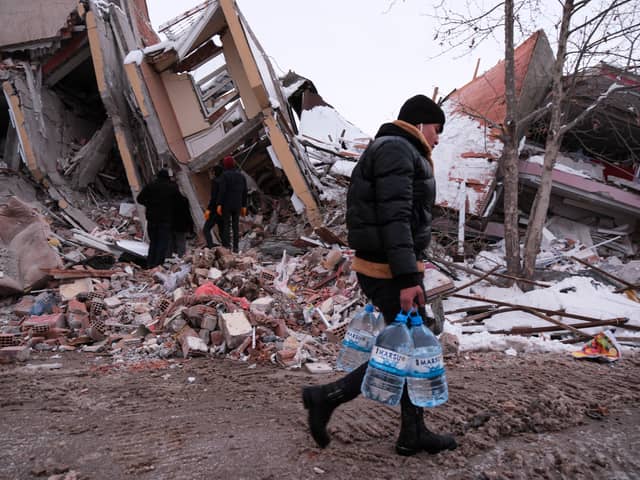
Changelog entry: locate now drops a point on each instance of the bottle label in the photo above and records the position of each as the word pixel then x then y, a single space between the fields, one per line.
pixel 389 361
pixel 427 367
pixel 358 341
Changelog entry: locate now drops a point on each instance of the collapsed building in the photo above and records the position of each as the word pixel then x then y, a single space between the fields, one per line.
pixel 94 103
pixel 596 180
pixel 92 96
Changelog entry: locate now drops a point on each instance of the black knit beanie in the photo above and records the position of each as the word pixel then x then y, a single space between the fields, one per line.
pixel 421 109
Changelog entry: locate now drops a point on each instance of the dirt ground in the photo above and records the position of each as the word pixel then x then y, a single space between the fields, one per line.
pixel 524 417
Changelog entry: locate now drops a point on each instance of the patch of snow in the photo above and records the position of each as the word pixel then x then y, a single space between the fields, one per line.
pixel 343 168
pixel 165 46
pixel 539 159
pixel 462 134
pixel 325 125
pixel 290 90
pixel 134 56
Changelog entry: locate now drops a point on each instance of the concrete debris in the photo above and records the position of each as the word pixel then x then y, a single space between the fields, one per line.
pixel 76 154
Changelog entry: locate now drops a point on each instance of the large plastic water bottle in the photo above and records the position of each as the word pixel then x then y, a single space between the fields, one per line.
pixel 358 340
pixel 426 380
pixel 389 363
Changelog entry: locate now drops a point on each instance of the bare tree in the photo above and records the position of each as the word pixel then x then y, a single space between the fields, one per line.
pixel 510 150
pixel 589 32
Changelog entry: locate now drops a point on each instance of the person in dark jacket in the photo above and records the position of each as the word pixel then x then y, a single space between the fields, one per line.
pixel 211 216
pixel 232 201
pixel 389 205
pixel 181 225
pixel 159 198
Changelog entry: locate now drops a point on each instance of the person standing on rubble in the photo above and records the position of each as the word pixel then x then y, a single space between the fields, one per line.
pixel 159 198
pixel 210 215
pixel 232 202
pixel 389 205
pixel 181 225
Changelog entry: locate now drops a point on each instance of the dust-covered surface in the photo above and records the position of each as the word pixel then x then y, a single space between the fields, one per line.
pixel 531 416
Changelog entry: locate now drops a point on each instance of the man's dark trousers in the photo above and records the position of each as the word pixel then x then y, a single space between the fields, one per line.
pixel 213 220
pixel 230 217
pixel 159 243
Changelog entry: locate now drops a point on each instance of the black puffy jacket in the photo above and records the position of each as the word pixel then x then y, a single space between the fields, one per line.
pixel 390 201
pixel 233 191
pixel 159 198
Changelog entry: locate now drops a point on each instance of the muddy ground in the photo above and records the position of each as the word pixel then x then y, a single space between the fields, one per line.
pixel 525 417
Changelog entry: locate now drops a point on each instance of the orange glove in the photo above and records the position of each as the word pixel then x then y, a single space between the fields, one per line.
pixel 207 214
pixel 243 211
pixel 219 210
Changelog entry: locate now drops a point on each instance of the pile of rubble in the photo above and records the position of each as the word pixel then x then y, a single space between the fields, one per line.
pixel 210 302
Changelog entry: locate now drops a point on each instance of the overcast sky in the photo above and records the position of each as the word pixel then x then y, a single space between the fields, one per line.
pixel 364 57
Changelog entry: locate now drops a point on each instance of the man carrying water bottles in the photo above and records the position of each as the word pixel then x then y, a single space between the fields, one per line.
pixel 389 206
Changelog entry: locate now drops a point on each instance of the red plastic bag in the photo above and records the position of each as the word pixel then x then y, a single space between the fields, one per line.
pixel 211 289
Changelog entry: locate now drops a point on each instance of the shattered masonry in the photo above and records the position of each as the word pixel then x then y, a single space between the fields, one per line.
pixel 94 103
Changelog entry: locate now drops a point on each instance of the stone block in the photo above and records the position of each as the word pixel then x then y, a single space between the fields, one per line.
pixel 214 274
pixel 205 335
pixel 14 354
pixel 261 305
pixel 217 338
pixel 76 306
pixel 42 323
pixel 112 302
pixel 318 367
pixel 235 328
pixel 191 343
pixel 70 290
pixel 209 322
pixel 23 307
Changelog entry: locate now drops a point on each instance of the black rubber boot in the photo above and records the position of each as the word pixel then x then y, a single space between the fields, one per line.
pixel 322 400
pixel 432 442
pixel 415 436
pixel 409 439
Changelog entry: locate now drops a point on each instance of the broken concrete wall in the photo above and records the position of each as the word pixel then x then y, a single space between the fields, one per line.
pixel 26 21
pixel 51 126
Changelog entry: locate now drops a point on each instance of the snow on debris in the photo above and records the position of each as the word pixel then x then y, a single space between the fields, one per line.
pixel 325 127
pixel 134 56
pixel 461 135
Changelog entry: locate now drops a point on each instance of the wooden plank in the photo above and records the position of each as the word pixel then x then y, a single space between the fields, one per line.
pixel 60 273
pixel 244 52
pixel 618 322
pixel 528 307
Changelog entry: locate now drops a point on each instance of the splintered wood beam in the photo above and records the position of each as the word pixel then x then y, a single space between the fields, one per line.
pixel 604 272
pixel 525 307
pixel 617 322
pixel 495 274
pixel 556 322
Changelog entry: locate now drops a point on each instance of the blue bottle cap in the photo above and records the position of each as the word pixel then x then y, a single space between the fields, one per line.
pixel 369 308
pixel 401 317
pixel 415 318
